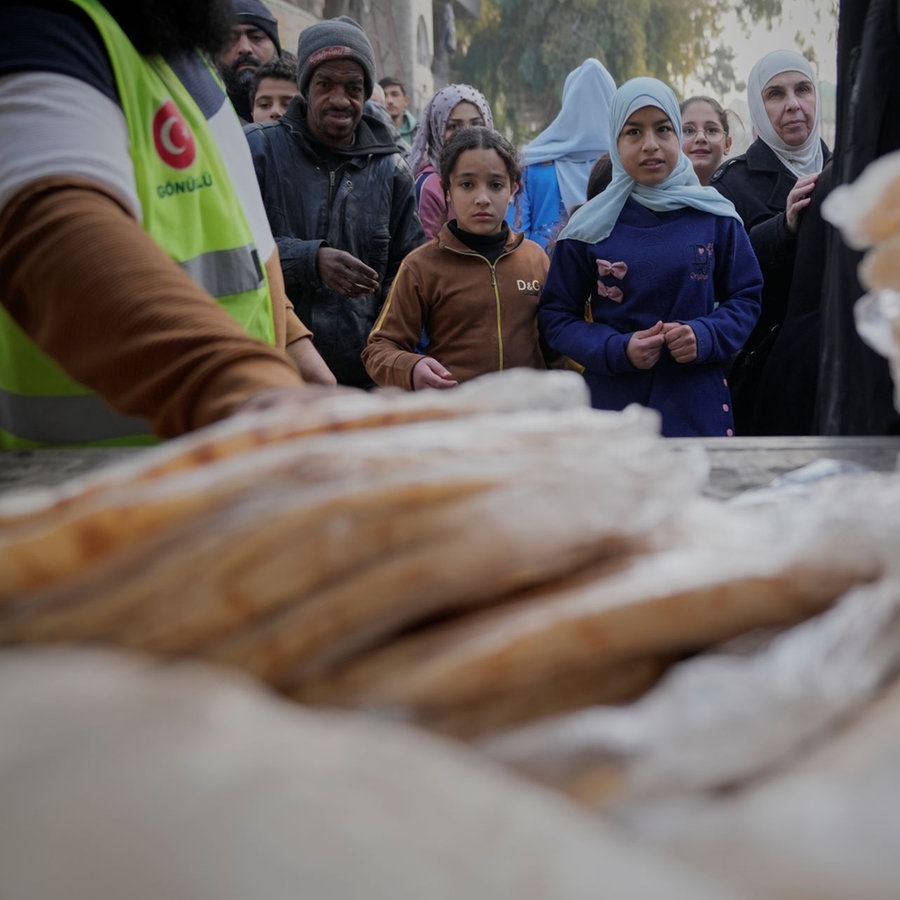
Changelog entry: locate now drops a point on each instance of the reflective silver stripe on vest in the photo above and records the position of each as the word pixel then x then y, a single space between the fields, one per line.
pixel 65 420
pixel 226 272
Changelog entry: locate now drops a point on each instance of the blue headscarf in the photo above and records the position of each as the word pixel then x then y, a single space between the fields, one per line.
pixel 594 221
pixel 575 138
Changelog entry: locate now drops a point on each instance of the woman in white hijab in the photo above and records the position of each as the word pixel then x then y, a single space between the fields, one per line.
pixel 558 162
pixel 770 186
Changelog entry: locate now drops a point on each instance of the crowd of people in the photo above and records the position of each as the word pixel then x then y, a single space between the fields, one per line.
pixel 257 224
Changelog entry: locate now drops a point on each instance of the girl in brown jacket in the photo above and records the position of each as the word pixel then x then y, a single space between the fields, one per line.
pixel 469 296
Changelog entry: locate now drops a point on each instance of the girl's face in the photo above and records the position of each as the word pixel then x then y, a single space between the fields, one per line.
pixel 648 146
pixel 479 191
pixel 703 138
pixel 463 115
pixel 790 101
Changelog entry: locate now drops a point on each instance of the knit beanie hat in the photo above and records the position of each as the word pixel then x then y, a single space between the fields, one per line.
pixel 254 12
pixel 340 38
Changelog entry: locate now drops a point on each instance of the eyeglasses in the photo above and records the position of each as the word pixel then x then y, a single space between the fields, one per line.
pixel 714 134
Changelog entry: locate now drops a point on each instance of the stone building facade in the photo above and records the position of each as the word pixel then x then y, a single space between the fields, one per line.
pixel 414 40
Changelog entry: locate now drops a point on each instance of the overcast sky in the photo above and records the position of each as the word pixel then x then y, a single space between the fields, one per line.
pixel 800 15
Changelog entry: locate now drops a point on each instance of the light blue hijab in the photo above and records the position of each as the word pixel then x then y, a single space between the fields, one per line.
pixel 576 137
pixel 595 220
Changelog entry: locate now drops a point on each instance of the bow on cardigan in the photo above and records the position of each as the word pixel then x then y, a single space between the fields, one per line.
pixel 617 270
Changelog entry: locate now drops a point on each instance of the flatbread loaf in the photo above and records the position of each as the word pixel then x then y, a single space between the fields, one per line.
pixel 715 573
pixel 603 684
pixel 123 779
pixel 317 411
pixel 294 557
pixel 53 547
pixel 867 211
pixel 880 268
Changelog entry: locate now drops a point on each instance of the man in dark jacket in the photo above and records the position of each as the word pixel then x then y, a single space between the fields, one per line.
pixel 339 197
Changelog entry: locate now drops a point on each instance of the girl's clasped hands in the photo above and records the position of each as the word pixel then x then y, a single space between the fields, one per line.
pixel 645 347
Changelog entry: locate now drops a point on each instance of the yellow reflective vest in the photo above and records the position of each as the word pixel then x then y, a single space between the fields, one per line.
pixel 190 208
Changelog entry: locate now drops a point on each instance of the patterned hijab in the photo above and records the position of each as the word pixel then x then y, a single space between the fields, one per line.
pixel 429 139
pixel 579 133
pixel 595 220
pixel 807 158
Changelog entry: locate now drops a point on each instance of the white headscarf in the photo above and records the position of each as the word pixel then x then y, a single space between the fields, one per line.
pixel 807 158
pixel 580 132
pixel 595 220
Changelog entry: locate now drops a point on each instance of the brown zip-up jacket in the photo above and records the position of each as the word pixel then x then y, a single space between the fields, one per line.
pixel 479 317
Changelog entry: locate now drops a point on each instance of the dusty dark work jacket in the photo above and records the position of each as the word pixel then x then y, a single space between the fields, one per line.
pixel 361 200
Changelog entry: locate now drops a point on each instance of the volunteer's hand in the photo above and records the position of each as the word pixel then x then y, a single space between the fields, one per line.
pixel 312 368
pixel 301 396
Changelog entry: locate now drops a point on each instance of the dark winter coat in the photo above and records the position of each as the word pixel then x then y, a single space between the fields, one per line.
pixel 786 397
pixel 680 265
pixel 361 201
pixel 855 386
pixel 758 184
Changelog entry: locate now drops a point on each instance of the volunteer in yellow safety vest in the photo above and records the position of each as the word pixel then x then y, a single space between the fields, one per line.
pixel 141 293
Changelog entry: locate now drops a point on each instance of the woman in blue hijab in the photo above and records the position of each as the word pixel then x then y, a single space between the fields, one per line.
pixel 666 267
pixel 558 161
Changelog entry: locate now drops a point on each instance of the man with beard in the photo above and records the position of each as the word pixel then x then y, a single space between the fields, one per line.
pixel 254 41
pixel 141 287
pixel 342 237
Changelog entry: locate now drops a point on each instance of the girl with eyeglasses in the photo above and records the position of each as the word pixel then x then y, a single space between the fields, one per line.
pixel 705 136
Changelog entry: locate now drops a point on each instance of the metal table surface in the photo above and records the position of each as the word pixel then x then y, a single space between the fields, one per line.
pixel 736 463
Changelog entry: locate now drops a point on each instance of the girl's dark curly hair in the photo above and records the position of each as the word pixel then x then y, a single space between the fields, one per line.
pixel 478 137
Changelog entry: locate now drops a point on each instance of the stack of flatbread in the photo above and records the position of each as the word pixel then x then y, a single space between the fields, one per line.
pixel 465 560
pixel 771 760
pixel 286 547
pixel 501 564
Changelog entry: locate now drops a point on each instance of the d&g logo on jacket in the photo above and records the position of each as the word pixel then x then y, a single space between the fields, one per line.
pixel 172 138
pixel 529 288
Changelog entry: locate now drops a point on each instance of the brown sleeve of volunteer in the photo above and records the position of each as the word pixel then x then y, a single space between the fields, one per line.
pixel 288 327
pixel 88 285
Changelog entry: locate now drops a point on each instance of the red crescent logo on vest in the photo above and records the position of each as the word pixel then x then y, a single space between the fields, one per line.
pixel 173 139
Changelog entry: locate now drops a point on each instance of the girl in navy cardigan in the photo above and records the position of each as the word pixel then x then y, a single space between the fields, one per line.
pixel 666 266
